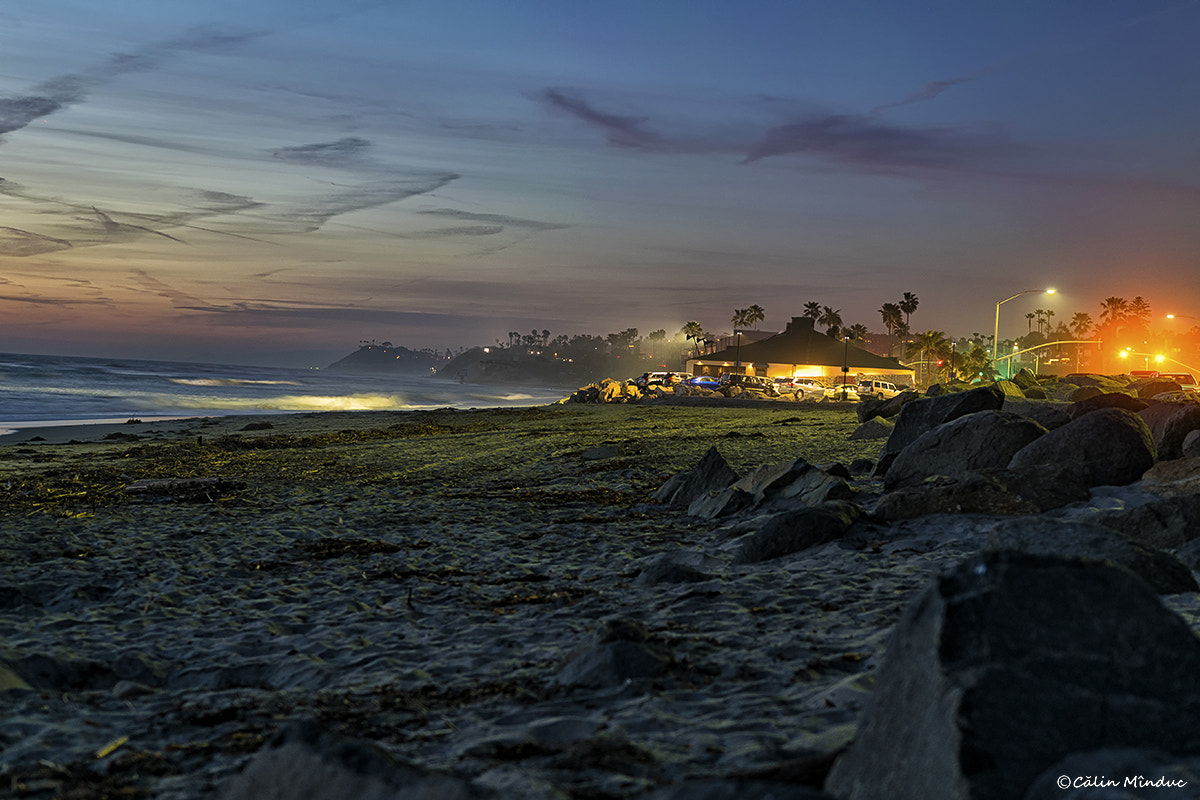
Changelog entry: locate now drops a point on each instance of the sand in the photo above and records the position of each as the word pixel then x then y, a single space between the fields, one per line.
pixel 426 581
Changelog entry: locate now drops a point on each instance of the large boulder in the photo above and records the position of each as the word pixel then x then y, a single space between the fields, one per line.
pixel 1010 492
pixel 974 441
pixel 1169 424
pixel 1025 379
pixel 1109 447
pixel 786 532
pixel 1053 537
pixel 1048 413
pixel 1107 400
pixel 1150 387
pixel 790 484
pixel 926 413
pixel 710 475
pixel 885 407
pixel 1008 664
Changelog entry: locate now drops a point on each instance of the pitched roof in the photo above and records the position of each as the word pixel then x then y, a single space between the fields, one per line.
pixel 800 344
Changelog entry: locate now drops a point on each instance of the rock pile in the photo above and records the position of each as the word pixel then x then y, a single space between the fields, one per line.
pixel 1048 652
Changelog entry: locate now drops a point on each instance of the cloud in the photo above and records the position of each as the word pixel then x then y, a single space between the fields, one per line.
pixel 17 242
pixel 316 212
pixel 620 131
pixel 496 219
pixel 462 230
pixel 150 284
pixel 868 144
pixel 64 91
pixel 349 150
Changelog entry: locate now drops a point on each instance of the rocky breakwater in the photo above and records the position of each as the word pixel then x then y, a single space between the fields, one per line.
pixel 1049 655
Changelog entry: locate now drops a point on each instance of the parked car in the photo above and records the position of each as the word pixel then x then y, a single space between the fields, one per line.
pixel 805 388
pixel 660 379
pixel 877 389
pixel 704 381
pixel 844 392
pixel 753 382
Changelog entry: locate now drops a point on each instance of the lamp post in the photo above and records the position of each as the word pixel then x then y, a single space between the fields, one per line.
pixel 996 332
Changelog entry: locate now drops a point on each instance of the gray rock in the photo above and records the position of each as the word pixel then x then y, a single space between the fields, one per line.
pixel 1107 400
pixel 873 428
pixel 970 442
pixel 1111 446
pixel 1009 663
pixel 887 407
pixel 1049 414
pixel 711 474
pixel 971 493
pixel 927 413
pixel 1179 477
pixel 1191 445
pixel 1013 491
pixel 788 483
pixel 622 650
pixel 1162 523
pixel 1010 390
pixel 1049 537
pixel 1169 424
pixel 1025 379
pixel 1150 387
pixel 303 762
pixel 1084 393
pixel 787 532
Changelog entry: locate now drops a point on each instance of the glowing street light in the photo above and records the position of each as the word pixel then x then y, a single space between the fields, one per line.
pixel 1184 316
pixel 996 332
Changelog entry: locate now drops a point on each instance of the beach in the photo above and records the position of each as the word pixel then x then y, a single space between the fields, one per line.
pixel 438 584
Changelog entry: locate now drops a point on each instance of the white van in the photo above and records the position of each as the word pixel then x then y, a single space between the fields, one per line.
pixel 877 389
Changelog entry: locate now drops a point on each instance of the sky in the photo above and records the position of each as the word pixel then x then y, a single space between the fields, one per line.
pixel 274 181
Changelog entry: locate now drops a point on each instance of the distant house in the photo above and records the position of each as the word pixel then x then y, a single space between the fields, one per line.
pixel 802 352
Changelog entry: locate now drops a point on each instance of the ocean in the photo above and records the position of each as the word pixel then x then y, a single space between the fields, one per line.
pixel 45 390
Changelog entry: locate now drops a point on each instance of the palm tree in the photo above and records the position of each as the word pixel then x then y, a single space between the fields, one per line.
pixel 1029 317
pixel 1081 323
pixel 832 319
pixel 978 362
pixel 931 347
pixel 891 320
pixel 1139 309
pixel 908 305
pixel 857 331
pixel 1113 310
pixel 695 331
pixel 755 315
pixel 1039 312
pixel 812 310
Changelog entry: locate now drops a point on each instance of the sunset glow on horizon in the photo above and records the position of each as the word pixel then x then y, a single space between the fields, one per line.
pixel 272 182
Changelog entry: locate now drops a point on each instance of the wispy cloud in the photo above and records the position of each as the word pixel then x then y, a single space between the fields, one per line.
pixel 17 242
pixel 495 219
pixel 621 131
pixel 64 91
pixel 865 143
pixel 349 151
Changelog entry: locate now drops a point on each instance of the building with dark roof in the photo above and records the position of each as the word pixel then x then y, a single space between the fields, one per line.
pixel 802 352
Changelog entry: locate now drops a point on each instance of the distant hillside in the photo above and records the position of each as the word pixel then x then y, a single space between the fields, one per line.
pixel 378 359
pixel 514 366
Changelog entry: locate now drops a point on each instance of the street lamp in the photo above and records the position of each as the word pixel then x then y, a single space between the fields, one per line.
pixel 996 332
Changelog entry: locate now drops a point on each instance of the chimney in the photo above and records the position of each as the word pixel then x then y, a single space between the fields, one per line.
pixel 800 325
